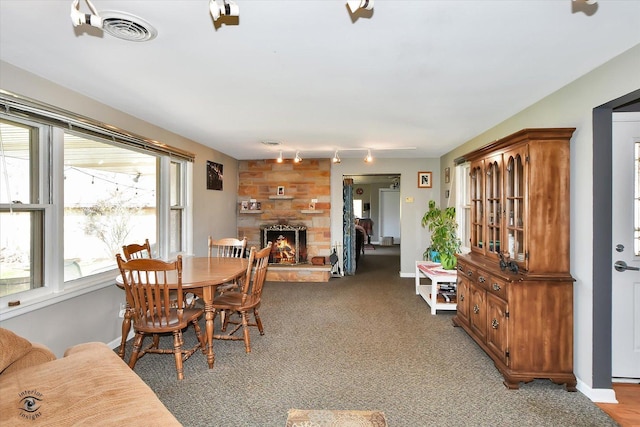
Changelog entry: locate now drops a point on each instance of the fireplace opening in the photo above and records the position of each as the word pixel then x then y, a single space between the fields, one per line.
pixel 289 243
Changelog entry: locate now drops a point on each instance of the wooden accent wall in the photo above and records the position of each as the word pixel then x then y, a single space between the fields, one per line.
pixel 311 179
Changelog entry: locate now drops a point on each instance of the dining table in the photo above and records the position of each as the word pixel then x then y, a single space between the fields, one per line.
pixel 201 276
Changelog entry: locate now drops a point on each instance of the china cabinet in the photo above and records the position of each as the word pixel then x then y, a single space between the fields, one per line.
pixel 515 290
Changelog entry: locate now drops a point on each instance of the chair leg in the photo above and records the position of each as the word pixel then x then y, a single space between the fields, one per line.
pixel 199 335
pixel 126 327
pixel 177 352
pixel 137 344
pixel 245 331
pixel 258 321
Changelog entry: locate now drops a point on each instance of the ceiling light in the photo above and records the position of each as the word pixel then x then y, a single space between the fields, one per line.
pixel 298 159
pixel 369 158
pixel 354 5
pixel 79 18
pixel 336 158
pixel 228 8
pixel 279 160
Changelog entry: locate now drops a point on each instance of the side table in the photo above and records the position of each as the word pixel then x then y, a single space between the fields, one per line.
pixel 438 277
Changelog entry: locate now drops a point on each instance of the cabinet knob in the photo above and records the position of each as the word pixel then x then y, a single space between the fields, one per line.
pixel 495 324
pixel 461 297
pixel 476 309
pixel 496 287
pixel 469 273
pixel 481 279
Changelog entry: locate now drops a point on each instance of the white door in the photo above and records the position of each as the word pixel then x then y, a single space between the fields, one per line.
pixel 626 246
pixel 390 214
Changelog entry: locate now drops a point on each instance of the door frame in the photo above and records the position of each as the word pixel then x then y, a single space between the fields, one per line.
pixel 602 222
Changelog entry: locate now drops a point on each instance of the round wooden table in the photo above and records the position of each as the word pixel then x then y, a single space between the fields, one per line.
pixel 201 275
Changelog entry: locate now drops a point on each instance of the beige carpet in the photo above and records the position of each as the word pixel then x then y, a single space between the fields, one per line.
pixel 334 418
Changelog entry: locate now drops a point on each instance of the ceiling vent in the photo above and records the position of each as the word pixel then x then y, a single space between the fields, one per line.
pixel 127 27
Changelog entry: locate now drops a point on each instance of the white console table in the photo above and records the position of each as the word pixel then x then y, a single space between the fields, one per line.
pixel 438 276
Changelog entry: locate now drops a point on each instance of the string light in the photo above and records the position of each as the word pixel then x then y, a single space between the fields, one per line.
pixel 298 159
pixel 280 160
pixel 336 158
pixel 369 158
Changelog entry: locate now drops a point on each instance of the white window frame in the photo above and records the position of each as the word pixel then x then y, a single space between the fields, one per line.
pixel 463 204
pixel 51 185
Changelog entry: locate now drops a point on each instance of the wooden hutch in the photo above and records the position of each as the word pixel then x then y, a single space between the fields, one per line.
pixel 515 290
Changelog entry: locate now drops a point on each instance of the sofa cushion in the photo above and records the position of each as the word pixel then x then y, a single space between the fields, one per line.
pixel 91 386
pixel 36 355
pixel 13 347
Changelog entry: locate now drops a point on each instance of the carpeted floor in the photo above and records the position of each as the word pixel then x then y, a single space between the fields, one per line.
pixel 365 342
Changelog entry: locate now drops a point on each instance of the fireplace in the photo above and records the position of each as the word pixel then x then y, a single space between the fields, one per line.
pixel 289 243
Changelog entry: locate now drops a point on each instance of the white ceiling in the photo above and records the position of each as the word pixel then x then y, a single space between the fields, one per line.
pixel 424 74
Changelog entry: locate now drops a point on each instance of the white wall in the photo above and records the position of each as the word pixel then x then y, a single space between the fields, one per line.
pixel 82 318
pixel 572 106
pixel 414 238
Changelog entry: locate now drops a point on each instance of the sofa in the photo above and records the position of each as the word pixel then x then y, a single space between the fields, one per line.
pixel 90 385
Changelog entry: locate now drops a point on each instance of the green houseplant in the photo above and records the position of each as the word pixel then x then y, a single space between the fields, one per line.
pixel 444 238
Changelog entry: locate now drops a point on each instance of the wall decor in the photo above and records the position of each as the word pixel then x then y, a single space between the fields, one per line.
pixel 447 175
pixel 214 175
pixel 424 180
pixel 280 191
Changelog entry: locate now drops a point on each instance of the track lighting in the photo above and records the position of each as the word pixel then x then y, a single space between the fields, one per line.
pixel 369 158
pixel 354 5
pixel 280 160
pixel 297 159
pixel 336 158
pixel 228 8
pixel 79 18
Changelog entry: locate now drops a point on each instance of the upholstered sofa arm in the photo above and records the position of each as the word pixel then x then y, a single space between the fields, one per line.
pixel 36 355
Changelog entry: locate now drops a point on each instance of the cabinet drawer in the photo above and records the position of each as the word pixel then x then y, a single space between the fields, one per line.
pixel 497 287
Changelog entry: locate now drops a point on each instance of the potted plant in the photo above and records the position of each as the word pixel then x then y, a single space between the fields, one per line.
pixel 444 238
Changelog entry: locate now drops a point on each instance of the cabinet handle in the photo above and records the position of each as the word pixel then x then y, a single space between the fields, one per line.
pixel 476 309
pixel 461 297
pixel 469 273
pixel 496 287
pixel 481 279
pixel 495 324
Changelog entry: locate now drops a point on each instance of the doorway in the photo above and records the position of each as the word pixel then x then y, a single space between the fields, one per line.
pixel 603 210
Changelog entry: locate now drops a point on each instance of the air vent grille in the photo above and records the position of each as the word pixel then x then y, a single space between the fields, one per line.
pixel 127 27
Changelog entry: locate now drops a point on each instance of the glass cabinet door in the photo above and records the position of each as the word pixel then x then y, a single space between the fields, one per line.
pixel 493 192
pixel 477 206
pixel 515 199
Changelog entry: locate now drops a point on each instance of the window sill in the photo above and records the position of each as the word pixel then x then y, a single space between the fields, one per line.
pixel 32 300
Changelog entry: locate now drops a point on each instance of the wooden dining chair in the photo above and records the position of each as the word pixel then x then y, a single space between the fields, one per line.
pixel 147 283
pixel 245 301
pixel 137 251
pixel 228 247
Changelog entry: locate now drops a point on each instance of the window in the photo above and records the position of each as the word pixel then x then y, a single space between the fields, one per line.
pixel 463 204
pixel 109 201
pixel 357 208
pixel 70 197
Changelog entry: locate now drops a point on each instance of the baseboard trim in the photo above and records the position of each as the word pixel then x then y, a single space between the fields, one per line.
pixel 597 395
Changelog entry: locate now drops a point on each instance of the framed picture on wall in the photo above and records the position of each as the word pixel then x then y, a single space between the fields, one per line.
pixel 424 180
pixel 447 175
pixel 214 175
pixel 280 191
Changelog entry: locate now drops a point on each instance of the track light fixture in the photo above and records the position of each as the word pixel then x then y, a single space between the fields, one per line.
pixel 227 8
pixel 79 18
pixel 368 158
pixel 354 5
pixel 280 159
pixel 297 159
pixel 336 158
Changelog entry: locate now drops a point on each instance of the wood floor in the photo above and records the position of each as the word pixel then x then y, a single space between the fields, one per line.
pixel 627 411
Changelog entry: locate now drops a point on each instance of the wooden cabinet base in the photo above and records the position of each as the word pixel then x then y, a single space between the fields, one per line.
pixel 512 379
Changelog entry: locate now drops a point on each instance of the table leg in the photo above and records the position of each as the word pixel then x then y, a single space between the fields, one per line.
pixel 209 313
pixel 434 295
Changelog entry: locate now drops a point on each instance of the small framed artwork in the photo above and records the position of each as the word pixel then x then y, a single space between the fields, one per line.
pixel 214 175
pixel 253 205
pixel 244 205
pixel 447 175
pixel 312 206
pixel 280 190
pixel 424 180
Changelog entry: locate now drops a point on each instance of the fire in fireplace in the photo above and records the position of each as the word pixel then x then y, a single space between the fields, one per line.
pixel 289 243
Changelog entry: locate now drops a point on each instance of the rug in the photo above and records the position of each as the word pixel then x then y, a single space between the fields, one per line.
pixel 334 418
